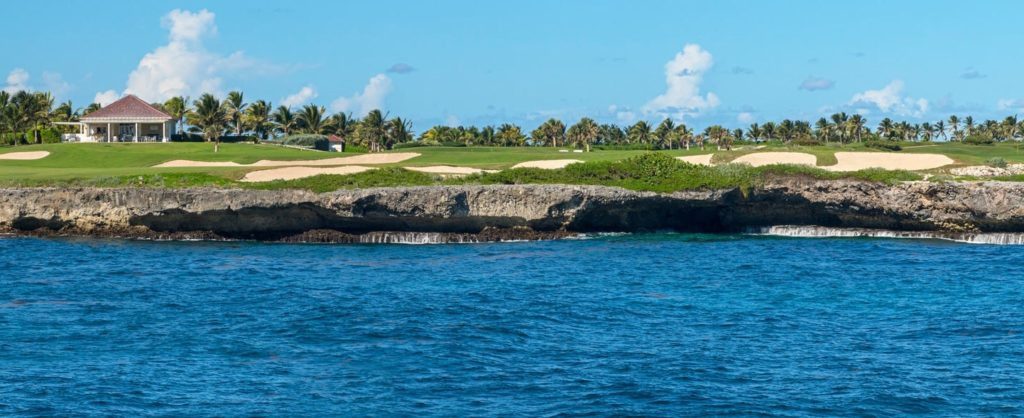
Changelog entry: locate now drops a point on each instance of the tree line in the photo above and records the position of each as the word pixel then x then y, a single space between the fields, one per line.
pixel 26 116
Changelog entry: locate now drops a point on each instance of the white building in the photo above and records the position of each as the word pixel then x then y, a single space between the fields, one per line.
pixel 129 119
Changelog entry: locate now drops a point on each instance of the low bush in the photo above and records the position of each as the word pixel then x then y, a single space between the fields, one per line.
pixel 12 138
pixel 413 144
pixel 50 135
pixel 979 140
pixel 624 147
pixel 883 145
pixel 306 140
pixel 806 141
pixel 997 162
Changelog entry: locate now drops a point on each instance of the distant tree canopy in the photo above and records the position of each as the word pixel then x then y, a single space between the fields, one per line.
pixel 28 117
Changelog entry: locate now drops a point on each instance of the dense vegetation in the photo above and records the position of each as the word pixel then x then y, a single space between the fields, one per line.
pixel 647 172
pixel 27 117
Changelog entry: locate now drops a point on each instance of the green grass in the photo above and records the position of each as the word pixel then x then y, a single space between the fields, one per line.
pixel 120 165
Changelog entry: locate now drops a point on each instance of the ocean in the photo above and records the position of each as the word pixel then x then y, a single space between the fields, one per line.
pixel 655 324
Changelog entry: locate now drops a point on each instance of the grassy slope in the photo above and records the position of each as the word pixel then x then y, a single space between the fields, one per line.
pixel 126 164
pixel 76 161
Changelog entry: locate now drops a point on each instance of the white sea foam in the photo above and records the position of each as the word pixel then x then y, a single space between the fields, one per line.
pixel 808 231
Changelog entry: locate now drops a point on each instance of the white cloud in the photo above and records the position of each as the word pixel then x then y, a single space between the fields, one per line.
pixel 301 97
pixel 183 66
pixel 17 80
pixel 890 99
pixel 452 121
pixel 683 76
pixel 106 97
pixel 813 83
pixel 372 97
pixel 1015 105
pixel 745 117
pixel 55 84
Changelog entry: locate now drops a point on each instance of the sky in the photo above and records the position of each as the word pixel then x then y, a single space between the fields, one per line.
pixel 470 62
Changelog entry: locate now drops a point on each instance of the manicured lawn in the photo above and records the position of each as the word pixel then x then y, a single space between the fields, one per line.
pixel 502 157
pixel 121 164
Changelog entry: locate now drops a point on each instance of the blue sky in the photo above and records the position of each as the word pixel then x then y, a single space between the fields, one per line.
pixel 471 62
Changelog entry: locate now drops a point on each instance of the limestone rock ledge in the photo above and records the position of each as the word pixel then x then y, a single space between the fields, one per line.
pixel 507 212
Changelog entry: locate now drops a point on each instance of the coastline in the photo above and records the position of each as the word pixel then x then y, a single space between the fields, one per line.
pixel 506 212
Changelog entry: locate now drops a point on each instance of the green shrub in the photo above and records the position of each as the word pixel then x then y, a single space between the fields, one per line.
pixel 49 135
pixel 12 138
pixel 624 147
pixel 806 141
pixel 319 142
pixel 979 139
pixel 884 145
pixel 413 144
pixel 997 162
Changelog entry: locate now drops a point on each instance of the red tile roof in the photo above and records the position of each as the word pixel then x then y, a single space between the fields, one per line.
pixel 334 139
pixel 128 107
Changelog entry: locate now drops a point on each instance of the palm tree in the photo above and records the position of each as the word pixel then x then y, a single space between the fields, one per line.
pixel 341 124
pixel 754 132
pixel 823 128
pixel 257 118
pixel 177 107
pixel 857 123
pixel 954 126
pixel 968 126
pixel 65 112
pixel 235 105
pixel 663 133
pixel 639 133
pixel 583 133
pixel 399 131
pixel 284 120
pixel 209 117
pixel 510 135
pixel 684 134
pixel 839 120
pixel 372 130
pixel 92 107
pixel 768 128
pixel 310 119
pixel 886 128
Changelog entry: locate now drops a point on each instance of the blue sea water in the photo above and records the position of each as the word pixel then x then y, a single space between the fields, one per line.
pixel 659 324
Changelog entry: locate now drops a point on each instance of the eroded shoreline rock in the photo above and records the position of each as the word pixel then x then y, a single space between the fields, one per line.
pixel 505 212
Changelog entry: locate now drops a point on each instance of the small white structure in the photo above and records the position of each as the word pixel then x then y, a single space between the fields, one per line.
pixel 129 119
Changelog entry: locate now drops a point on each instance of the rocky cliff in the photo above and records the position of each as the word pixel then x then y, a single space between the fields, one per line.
pixel 476 213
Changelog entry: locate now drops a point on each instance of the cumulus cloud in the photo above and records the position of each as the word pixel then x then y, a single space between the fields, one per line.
pixel 890 99
pixel 972 74
pixel 812 83
pixel 1016 105
pixel 17 80
pixel 401 68
pixel 683 76
pixel 372 97
pixel 105 97
pixel 745 117
pixel 55 84
pixel 183 66
pixel 301 97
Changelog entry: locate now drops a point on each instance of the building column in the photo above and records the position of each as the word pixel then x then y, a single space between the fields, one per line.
pixel 108 131
pixel 136 132
pixel 164 125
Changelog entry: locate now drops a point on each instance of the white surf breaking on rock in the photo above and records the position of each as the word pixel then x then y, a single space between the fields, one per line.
pixel 808 231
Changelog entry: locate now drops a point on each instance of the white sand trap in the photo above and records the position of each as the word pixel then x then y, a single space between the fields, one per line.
pixel 547 164
pixel 447 169
pixel 292 173
pixel 853 161
pixel 758 159
pixel 389 158
pixel 697 159
pixel 28 155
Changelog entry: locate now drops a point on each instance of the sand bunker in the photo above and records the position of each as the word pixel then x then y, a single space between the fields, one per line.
pixel 697 159
pixel 758 159
pixel 28 155
pixel 389 158
pixel 292 173
pixel 447 169
pixel 853 161
pixel 547 164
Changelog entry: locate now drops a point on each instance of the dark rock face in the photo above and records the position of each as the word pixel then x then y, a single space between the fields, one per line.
pixel 494 213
